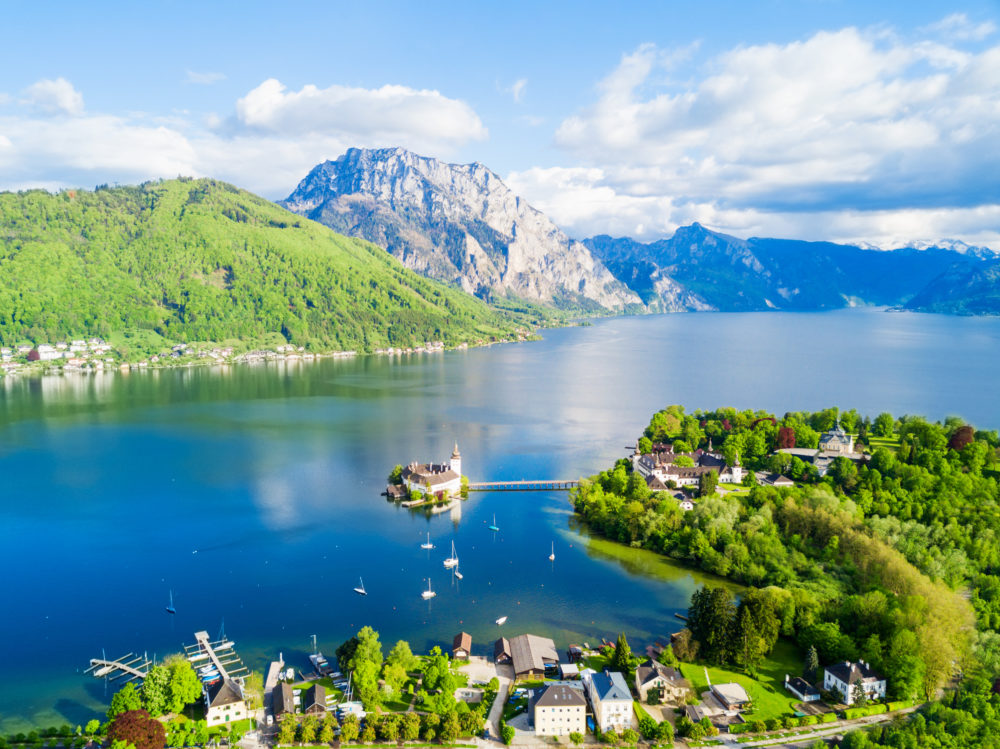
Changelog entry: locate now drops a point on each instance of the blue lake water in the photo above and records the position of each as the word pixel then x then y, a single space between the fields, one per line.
pixel 272 475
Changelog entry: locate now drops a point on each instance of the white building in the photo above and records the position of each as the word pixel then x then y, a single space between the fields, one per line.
pixel 560 710
pixel 842 678
pixel 662 466
pixel 610 699
pixel 224 703
pixel 435 478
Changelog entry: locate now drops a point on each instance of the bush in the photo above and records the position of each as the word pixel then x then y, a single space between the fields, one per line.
pixel 507 734
pixel 827 717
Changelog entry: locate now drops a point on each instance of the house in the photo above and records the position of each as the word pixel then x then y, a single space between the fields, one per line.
pixel 461 647
pixel 530 654
pixel 559 710
pixel 610 700
pixel 801 689
pixel 314 700
pixel 574 653
pixel 224 703
pixel 842 678
pixel 774 479
pixel 663 467
pixel 654 675
pixel 569 671
pixel 731 696
pixel 837 440
pixel 435 478
pixel 501 651
pixel 282 700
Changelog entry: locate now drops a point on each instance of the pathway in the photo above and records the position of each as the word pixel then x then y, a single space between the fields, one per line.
pixel 496 712
pixel 827 731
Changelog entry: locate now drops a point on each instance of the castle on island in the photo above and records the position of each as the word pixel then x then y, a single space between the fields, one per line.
pixel 435 478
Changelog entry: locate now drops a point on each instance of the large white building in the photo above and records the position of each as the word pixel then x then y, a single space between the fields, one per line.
pixel 842 678
pixel 662 466
pixel 560 710
pixel 435 478
pixel 610 699
pixel 224 703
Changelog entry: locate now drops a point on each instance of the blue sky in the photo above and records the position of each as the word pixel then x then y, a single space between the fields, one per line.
pixel 854 121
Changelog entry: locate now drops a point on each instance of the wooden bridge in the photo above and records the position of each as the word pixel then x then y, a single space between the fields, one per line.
pixel 131 665
pixel 524 485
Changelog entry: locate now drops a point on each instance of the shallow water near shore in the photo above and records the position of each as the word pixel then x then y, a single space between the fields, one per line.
pixel 252 492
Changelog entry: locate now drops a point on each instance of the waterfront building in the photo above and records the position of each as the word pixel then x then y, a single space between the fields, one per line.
pixel 435 478
pixel 654 675
pixel 559 710
pixel 224 703
pixel 610 700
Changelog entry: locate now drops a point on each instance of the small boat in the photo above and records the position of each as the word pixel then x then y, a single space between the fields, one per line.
pixel 451 561
pixel 494 527
pixel 501 620
pixel 458 574
pixel 552 556
pixel 170 607
pixel 427 545
pixel 360 590
pixel 427 594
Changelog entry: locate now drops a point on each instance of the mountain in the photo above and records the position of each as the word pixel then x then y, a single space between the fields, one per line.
pixel 456 223
pixel 200 260
pixel 962 291
pixel 698 269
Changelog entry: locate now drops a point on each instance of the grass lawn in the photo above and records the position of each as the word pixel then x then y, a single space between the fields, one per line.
pixel 399 705
pixel 889 443
pixel 515 707
pixel 767 692
pixel 596 662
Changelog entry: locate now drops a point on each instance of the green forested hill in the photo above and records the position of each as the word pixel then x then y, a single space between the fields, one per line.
pixel 200 260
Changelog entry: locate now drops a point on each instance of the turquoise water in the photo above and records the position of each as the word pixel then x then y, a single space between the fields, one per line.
pixel 272 475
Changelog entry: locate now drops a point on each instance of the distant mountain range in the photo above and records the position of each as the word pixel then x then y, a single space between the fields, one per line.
pixel 461 224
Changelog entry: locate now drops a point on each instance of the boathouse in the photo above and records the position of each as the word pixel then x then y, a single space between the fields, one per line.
pixel 461 647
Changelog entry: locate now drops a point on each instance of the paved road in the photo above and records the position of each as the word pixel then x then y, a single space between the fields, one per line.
pixel 496 712
pixel 826 732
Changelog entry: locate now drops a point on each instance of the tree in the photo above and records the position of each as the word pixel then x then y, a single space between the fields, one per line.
pixel 684 461
pixel 366 663
pixel 667 657
pixel 749 646
pixel 622 659
pixel 307 729
pixel 810 669
pixel 349 729
pixel 92 727
pixel 645 445
pixel 449 728
pixel 396 474
pixel 185 686
pixel 402 655
pixel 328 731
pixel 962 436
pixel 124 700
pixel 665 732
pixel 411 727
pixel 576 737
pixel 710 619
pixel 630 737
pixel 345 652
pixel 368 732
pixel 707 483
pixel 136 727
pixel 786 438
pixel 155 690
pixel 253 690
pixel 884 425
pixel 685 647
pixel 388 727
pixel 858 695
pixel 286 729
pixel 507 734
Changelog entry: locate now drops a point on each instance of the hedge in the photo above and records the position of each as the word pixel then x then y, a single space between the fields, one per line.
pixel 827 717
pixel 860 712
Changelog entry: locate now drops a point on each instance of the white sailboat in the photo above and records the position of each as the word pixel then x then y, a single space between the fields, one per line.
pixel 552 556
pixel 427 594
pixel 427 545
pixel 360 590
pixel 451 561
pixel 458 574
pixel 501 620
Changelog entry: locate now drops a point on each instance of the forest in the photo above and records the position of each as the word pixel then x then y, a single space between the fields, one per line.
pixel 200 260
pixel 892 558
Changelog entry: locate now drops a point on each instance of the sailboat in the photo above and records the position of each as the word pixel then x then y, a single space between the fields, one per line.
pixel 427 594
pixel 427 545
pixel 501 620
pixel 360 590
pixel 170 607
pixel 494 527
pixel 552 556
pixel 458 574
pixel 451 561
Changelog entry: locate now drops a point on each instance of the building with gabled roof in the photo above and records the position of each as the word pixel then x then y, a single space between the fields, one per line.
pixel 461 646
pixel 224 703
pixel 842 678
pixel 654 675
pixel 435 478
pixel 610 700
pixel 314 700
pixel 501 650
pixel 559 710
pixel 282 700
pixel 530 654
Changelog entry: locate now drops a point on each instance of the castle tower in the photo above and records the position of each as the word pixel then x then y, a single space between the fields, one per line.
pixel 456 460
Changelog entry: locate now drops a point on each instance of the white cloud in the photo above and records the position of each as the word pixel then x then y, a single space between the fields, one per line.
pixel 270 142
pixel 845 122
pixel 54 97
pixel 204 79
pixel 957 26
pixel 516 89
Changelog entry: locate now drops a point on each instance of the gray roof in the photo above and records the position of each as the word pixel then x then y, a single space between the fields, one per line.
pixel 611 686
pixel 651 670
pixel 282 698
pixel 314 696
pixel 559 695
pixel 531 653
pixel 849 672
pixel 225 692
pixel 501 648
pixel 801 686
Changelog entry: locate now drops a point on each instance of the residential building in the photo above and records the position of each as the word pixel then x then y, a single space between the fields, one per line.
pixel 224 703
pixel 435 478
pixel 610 700
pixel 282 700
pixel 461 647
pixel 774 479
pixel 837 440
pixel 654 675
pixel 663 466
pixel 842 678
pixel 731 696
pixel 559 710
pixel 314 700
pixel 801 689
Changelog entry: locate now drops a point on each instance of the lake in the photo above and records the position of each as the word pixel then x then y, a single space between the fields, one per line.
pixel 252 492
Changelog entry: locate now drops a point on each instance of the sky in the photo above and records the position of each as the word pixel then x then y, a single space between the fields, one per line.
pixel 865 122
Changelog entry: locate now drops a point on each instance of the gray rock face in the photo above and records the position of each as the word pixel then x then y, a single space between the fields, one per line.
pixel 456 223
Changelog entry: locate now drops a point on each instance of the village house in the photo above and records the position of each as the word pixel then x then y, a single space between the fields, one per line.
pixel 224 703
pixel 673 687
pixel 610 700
pixel 663 467
pixel 801 688
pixel 842 678
pixel 559 710
pixel 435 478
pixel 774 479
pixel 314 700
pixel 529 654
pixel 461 647
pixel 282 700
pixel 731 697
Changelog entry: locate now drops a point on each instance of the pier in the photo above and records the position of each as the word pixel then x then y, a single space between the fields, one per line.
pixel 220 653
pixel 524 485
pixel 131 665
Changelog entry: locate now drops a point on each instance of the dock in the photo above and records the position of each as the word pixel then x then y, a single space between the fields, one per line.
pixel 130 665
pixel 220 653
pixel 524 485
